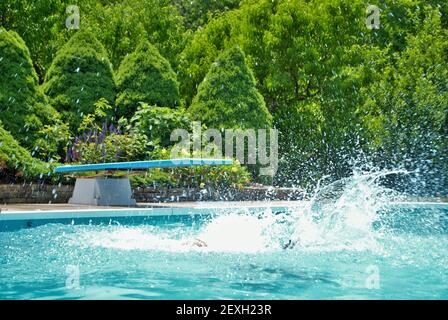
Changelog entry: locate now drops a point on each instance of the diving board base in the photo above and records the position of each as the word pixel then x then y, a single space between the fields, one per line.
pixel 102 191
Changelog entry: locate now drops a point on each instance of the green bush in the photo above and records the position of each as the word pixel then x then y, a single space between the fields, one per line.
pixel 24 110
pixel 145 76
pixel 17 161
pixel 79 76
pixel 228 97
pixel 157 123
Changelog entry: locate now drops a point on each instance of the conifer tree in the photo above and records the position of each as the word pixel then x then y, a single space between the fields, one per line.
pixel 79 76
pixel 24 110
pixel 228 97
pixel 145 76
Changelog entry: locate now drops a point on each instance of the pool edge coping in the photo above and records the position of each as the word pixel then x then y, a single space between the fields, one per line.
pixel 165 211
pixel 129 212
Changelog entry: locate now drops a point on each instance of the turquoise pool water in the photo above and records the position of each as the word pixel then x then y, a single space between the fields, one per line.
pixel 359 246
pixel 244 259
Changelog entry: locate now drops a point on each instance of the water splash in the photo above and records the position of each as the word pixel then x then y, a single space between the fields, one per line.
pixel 245 232
pixel 340 216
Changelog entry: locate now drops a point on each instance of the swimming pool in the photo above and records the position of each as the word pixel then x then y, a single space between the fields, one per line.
pixel 136 256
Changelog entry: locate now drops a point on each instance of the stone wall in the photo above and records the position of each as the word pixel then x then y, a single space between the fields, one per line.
pixel 39 193
pixel 34 193
pixel 194 194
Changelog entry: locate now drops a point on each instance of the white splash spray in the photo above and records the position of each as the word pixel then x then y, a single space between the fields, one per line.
pixel 339 217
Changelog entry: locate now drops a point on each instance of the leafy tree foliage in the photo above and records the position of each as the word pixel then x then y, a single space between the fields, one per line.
pixel 26 17
pixel 130 21
pixel 196 58
pixel 41 23
pixel 198 13
pixel 339 92
pixel 408 105
pixel 157 123
pixel 315 62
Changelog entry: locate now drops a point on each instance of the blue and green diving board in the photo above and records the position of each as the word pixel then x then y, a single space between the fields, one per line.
pixel 104 191
pixel 142 165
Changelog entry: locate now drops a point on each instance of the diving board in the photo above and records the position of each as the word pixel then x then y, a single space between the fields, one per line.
pixel 141 165
pixel 109 191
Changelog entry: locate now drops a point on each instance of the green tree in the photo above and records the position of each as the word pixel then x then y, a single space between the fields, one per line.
pixel 408 105
pixel 228 97
pixel 206 44
pixel 42 15
pixel 23 108
pixel 120 26
pixel 198 13
pixel 46 16
pixel 79 76
pixel 145 76
pixel 314 62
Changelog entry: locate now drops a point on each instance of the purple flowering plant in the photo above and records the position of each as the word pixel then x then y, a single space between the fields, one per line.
pixel 99 140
